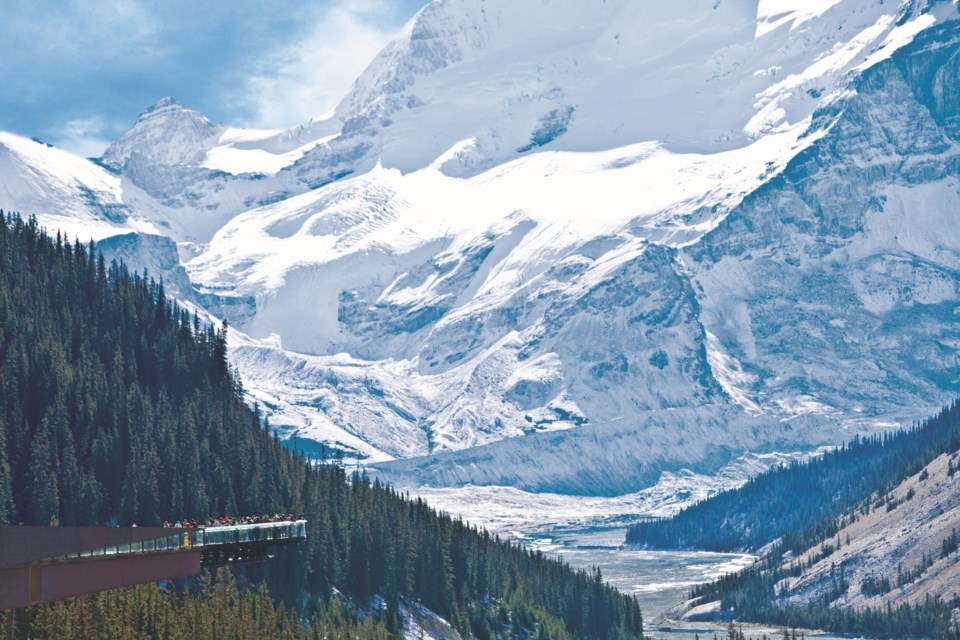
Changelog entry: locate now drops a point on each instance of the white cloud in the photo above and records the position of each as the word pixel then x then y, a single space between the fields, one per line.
pixel 308 78
pixel 83 137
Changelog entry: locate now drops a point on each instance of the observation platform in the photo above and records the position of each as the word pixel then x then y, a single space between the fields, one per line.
pixel 43 564
pixel 248 542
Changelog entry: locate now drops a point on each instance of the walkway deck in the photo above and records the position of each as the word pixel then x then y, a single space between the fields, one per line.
pixel 42 564
pixel 214 542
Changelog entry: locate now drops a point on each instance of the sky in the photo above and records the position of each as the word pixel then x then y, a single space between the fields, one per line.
pixel 77 73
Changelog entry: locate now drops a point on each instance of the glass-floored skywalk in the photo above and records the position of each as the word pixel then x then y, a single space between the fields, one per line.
pixel 219 545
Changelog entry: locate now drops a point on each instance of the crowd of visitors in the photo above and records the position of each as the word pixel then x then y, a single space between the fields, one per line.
pixel 231 521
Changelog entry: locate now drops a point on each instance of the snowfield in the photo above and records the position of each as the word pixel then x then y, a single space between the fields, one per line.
pixel 569 246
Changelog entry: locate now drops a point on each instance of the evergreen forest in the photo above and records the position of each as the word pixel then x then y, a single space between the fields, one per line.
pixel 118 406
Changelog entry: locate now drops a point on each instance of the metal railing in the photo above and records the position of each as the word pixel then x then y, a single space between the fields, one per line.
pixel 206 538
pixel 263 532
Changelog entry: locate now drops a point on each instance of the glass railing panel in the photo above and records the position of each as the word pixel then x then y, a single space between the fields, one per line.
pixel 260 532
pixel 194 539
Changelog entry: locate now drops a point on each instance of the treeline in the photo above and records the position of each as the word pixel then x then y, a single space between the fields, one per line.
pixel 118 407
pixel 750 596
pixel 807 497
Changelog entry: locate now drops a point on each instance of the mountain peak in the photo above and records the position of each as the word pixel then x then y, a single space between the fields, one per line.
pixel 166 134
pixel 162 104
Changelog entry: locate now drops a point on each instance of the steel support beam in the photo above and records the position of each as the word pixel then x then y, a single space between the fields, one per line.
pixel 42 582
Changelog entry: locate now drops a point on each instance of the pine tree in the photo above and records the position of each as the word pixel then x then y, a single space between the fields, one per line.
pixel 41 482
pixel 6 491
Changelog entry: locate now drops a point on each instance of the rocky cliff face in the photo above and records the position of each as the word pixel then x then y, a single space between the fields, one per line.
pixel 837 282
pixel 831 291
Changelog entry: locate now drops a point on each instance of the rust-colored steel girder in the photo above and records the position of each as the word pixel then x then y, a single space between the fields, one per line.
pixel 30 575
pixel 37 583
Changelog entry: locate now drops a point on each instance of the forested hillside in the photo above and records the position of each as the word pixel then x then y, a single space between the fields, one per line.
pixel 802 502
pixel 842 557
pixel 117 406
pixel 891 570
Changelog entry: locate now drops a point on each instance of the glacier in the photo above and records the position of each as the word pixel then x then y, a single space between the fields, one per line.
pixel 569 247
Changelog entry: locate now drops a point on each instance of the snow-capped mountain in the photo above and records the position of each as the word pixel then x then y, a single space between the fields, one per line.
pixel 166 134
pixel 69 193
pixel 642 236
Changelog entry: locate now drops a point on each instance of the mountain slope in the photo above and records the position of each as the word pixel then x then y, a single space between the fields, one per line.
pixel 919 531
pixel 117 407
pixel 587 223
pixel 439 282
pixel 71 194
pixel 882 561
pixel 695 75
pixel 832 288
pixel 847 263
pixel 810 495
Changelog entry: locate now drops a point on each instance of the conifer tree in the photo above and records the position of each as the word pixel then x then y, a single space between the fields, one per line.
pixel 6 492
pixel 43 500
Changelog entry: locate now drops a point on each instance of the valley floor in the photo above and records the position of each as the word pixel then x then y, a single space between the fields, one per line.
pixel 589 532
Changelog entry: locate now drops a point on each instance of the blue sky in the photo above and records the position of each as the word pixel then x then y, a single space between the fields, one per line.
pixel 77 73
